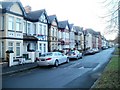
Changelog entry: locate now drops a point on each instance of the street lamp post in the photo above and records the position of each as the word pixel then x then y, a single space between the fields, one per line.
pixel 84 34
pixel 118 24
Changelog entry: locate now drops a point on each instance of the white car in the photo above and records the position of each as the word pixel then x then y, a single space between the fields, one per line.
pixel 89 52
pixel 74 54
pixel 52 58
pixel 96 50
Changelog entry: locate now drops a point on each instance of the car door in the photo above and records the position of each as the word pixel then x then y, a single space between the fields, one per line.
pixel 64 57
pixel 76 53
pixel 61 57
pixel 56 56
pixel 79 54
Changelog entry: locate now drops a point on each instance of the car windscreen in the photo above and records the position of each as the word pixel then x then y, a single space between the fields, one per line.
pixel 46 54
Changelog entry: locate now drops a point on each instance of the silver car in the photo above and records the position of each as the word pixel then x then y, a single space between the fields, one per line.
pixel 74 54
pixel 96 50
pixel 52 58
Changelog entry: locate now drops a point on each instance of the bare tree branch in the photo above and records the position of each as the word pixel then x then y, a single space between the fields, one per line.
pixel 112 16
pixel 108 4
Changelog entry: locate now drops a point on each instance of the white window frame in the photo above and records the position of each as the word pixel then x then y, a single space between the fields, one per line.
pixel 28 28
pixel 44 29
pixel 34 28
pixel 11 45
pixel 2 23
pixel 40 29
pixel 11 23
pixel 24 27
pixel 18 24
pixel 18 48
pixel 42 18
pixel 53 32
pixel 52 46
pixel 1 49
pixel 40 46
pixel 44 46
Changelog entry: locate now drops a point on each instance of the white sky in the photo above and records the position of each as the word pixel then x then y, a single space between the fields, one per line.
pixel 84 13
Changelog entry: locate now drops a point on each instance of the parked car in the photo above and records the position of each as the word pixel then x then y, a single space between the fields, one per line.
pixel 95 50
pixel 104 47
pixel 74 54
pixel 89 52
pixel 52 58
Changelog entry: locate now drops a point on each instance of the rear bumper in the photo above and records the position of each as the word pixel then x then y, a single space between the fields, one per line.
pixel 45 63
pixel 72 56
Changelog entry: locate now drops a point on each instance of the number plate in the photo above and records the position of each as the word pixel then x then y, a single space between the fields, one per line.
pixel 42 59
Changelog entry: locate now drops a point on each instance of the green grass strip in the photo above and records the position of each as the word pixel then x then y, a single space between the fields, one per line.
pixel 110 77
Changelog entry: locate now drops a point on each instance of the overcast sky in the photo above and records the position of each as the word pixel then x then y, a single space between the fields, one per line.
pixel 83 13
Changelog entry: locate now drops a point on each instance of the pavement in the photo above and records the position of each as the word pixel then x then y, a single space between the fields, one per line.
pixel 16 68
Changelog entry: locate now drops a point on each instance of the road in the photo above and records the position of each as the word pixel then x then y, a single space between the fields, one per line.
pixel 80 73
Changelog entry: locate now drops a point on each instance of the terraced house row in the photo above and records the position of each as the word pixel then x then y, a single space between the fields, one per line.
pixel 27 32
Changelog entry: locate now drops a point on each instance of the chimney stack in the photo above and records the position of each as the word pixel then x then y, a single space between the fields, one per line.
pixel 27 9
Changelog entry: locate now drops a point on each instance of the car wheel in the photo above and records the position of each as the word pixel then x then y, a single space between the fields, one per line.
pixel 67 61
pixel 56 63
pixel 77 57
pixel 81 57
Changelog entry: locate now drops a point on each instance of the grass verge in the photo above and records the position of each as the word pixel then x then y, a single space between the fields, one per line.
pixel 117 51
pixel 110 77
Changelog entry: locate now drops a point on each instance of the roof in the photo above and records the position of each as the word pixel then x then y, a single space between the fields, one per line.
pixel 51 18
pixel 32 16
pixel 77 28
pixel 7 5
pixel 92 32
pixel 62 24
pixel 35 15
pixel 71 25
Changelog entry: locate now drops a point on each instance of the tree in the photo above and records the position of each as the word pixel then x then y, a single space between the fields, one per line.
pixel 112 17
